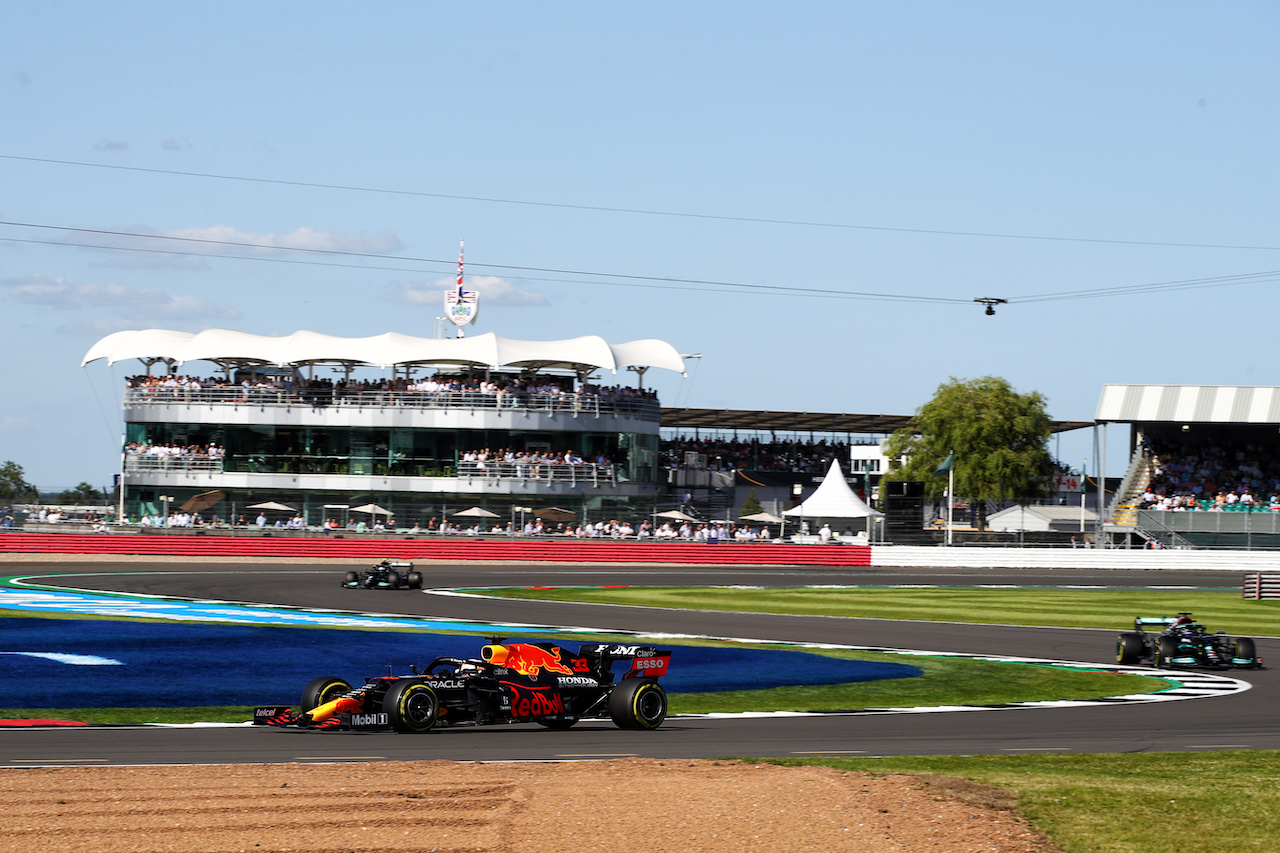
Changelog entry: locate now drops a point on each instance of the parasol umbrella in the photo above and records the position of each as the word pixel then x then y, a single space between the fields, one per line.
pixel 202 501
pixel 765 517
pixel 475 512
pixel 372 509
pixel 272 505
pixel 555 513
pixel 676 514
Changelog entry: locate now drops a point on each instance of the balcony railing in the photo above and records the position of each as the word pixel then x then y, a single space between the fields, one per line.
pixel 138 463
pixel 586 473
pixel 576 404
pixel 542 472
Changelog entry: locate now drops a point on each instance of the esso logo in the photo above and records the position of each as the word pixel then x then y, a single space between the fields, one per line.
pixel 650 666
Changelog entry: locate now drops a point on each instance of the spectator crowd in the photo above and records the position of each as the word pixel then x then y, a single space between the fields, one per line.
pixel 1220 475
pixel 795 456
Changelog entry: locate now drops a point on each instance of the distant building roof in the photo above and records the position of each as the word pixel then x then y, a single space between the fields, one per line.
pixel 765 421
pixel 1220 404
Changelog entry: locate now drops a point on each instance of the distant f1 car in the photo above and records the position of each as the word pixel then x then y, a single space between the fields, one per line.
pixel 509 683
pixel 389 574
pixel 1181 641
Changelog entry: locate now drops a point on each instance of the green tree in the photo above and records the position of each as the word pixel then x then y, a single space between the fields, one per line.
pixel 13 486
pixel 999 439
pixel 752 505
pixel 82 495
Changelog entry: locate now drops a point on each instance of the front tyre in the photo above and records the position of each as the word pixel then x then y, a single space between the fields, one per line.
pixel 411 706
pixel 638 703
pixel 351 580
pixel 1245 649
pixel 324 689
pixel 1129 648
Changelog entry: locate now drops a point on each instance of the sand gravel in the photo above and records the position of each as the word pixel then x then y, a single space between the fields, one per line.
pixel 621 805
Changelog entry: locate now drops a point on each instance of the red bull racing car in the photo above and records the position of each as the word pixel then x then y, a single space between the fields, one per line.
pixel 509 683
pixel 1181 641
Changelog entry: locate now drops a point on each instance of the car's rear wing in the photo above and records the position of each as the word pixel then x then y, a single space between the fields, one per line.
pixel 1144 622
pixel 646 661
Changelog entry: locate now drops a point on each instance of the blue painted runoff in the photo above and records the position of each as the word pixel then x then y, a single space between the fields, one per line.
pixel 66 663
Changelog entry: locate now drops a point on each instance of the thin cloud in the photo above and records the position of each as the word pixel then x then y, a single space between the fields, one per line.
pixel 492 289
pixel 299 238
pixel 228 240
pixel 132 304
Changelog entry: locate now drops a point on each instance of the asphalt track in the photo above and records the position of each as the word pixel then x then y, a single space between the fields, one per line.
pixel 1244 720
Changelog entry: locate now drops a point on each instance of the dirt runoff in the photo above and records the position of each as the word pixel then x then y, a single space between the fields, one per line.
pixel 405 807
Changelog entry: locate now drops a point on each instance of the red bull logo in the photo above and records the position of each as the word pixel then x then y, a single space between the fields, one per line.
pixel 525 658
pixel 534 703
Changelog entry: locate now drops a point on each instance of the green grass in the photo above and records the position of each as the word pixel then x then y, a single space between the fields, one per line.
pixel 133 716
pixel 946 681
pixel 1133 803
pixel 1058 608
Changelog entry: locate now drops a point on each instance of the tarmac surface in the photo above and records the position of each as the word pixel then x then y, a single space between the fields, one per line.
pixel 1243 720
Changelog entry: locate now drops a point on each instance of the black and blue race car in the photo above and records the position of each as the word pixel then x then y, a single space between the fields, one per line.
pixel 387 574
pixel 1180 641
pixel 509 683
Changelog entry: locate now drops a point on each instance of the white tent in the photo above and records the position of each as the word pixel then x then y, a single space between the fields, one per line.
pixel 1065 519
pixel 832 499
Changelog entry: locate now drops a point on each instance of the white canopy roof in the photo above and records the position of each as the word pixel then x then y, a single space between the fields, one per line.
pixel 488 350
pixel 833 499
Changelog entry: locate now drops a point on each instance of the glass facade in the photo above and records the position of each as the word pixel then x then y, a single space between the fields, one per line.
pixel 364 451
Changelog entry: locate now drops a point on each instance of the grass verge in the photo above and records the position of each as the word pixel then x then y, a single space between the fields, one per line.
pixel 1133 803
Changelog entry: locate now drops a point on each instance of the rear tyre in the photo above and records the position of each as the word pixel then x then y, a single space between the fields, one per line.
pixel 1166 650
pixel 324 689
pixel 351 578
pixel 411 706
pixel 1129 648
pixel 393 580
pixel 638 703
pixel 1244 648
pixel 414 580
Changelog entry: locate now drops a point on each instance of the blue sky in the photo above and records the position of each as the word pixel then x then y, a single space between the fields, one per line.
pixel 901 158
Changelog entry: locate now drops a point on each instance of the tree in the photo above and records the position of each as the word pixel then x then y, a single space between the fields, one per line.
pixel 999 439
pixel 13 486
pixel 82 495
pixel 752 506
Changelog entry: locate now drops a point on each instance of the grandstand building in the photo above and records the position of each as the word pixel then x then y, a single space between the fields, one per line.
pixel 486 424
pixel 1204 464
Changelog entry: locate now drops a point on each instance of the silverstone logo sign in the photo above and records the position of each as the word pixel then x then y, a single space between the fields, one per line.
pixel 461 306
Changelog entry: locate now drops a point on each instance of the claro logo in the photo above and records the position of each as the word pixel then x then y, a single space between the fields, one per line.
pixel 535 703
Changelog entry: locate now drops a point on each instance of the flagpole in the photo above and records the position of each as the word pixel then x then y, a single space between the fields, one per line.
pixel 461 243
pixel 951 499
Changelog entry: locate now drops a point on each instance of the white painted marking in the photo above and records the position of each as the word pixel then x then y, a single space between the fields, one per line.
pixel 74 660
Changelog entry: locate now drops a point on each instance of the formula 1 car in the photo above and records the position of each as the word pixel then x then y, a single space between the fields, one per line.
pixel 1182 641
pixel 389 574
pixel 510 683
